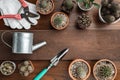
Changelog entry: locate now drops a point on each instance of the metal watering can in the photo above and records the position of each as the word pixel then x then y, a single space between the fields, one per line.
pixel 22 43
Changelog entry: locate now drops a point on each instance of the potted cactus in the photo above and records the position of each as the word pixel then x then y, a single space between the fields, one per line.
pixel 109 11
pixel 67 6
pixel 86 5
pixel 83 21
pixel 26 68
pixel 104 70
pixel 59 20
pixel 44 6
pixel 79 69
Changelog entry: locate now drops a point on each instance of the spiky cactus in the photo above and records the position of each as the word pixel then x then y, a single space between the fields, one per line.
pixel 58 20
pixel 68 4
pixel 43 3
pixel 105 71
pixel 81 72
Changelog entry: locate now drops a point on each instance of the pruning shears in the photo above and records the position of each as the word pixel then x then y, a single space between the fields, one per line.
pixel 54 61
pixel 25 15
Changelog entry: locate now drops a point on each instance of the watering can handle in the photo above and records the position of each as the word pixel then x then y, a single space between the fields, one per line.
pixel 2 38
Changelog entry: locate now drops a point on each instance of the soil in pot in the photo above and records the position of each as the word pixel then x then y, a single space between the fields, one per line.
pixel 104 70
pixel 110 10
pixel 59 20
pixel 45 6
pixel 79 70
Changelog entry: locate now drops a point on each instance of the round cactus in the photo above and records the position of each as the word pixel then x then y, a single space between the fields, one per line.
pixel 68 4
pixel 105 71
pixel 43 3
pixel 57 20
pixel 81 72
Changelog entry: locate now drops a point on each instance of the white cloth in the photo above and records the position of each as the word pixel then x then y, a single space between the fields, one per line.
pixel 12 7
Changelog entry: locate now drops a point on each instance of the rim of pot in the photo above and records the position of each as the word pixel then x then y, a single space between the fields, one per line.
pixel 80 60
pixel 108 61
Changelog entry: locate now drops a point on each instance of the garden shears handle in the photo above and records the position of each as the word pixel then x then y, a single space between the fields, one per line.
pixel 16 16
pixel 41 74
pixel 23 3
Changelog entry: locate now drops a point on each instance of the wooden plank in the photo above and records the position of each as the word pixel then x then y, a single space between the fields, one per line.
pixel 44 21
pixel 89 45
pixel 56 73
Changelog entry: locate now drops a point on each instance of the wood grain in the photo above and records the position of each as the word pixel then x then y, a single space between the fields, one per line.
pixel 44 21
pixel 89 45
pixel 97 42
pixel 56 73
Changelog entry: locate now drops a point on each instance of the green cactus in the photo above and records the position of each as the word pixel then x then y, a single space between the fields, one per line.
pixel 81 72
pixel 57 20
pixel 43 3
pixel 68 4
pixel 105 71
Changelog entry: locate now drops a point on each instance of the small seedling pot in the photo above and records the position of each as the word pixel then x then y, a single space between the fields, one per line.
pixel 79 5
pixel 38 8
pixel 106 60
pixel 79 60
pixel 2 66
pixel 28 64
pixel 52 21
pixel 101 18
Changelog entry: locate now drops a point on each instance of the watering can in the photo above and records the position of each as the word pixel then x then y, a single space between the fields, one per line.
pixel 22 43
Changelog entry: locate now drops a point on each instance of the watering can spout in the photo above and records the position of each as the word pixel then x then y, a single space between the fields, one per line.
pixel 39 45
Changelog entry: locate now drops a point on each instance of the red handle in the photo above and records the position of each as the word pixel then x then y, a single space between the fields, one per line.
pixel 17 16
pixel 23 3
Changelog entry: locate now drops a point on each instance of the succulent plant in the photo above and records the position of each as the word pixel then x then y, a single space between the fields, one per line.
pixel 110 10
pixel 109 18
pixel 67 6
pixel 105 71
pixel 26 68
pixel 43 3
pixel 58 20
pixel 88 3
pixel 81 72
pixel 83 21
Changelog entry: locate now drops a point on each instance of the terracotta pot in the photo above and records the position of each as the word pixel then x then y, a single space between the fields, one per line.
pixel 108 61
pixel 38 8
pixel 79 60
pixel 84 8
pixel 53 23
pixel 101 18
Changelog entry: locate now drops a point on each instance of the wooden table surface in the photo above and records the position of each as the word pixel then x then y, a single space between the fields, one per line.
pixel 97 42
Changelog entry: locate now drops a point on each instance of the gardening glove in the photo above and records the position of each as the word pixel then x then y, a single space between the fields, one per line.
pixel 12 7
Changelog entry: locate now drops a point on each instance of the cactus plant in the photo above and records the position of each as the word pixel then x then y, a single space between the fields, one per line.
pixel 58 20
pixel 109 11
pixel 83 21
pixel 105 71
pixel 81 72
pixel 67 6
pixel 86 4
pixel 43 3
